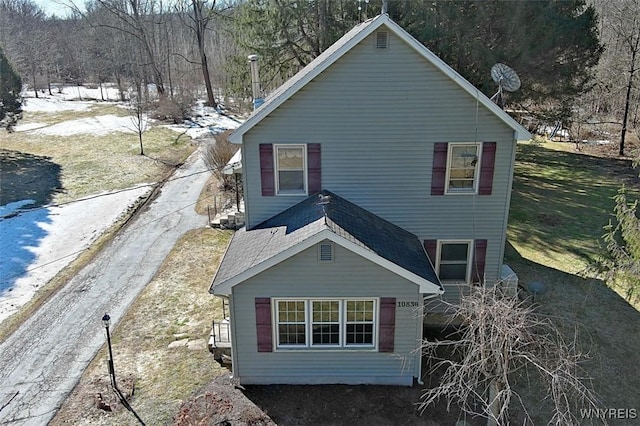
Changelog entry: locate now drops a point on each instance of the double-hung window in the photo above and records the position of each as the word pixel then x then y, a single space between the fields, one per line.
pixel 326 323
pixel 454 261
pixel 290 165
pixel 462 168
pixel 292 323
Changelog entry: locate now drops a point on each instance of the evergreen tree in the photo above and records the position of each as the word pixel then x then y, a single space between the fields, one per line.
pixel 10 99
pixel 620 264
pixel 552 44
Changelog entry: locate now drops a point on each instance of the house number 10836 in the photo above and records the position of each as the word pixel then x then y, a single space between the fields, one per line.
pixel 408 304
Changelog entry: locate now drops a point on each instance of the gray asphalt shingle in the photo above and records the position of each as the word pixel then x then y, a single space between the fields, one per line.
pixel 324 211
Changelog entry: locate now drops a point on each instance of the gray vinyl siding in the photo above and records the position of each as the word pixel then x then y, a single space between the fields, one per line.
pixel 381 158
pixel 303 276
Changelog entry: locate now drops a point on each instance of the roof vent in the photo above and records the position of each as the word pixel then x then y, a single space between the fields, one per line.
pixel 382 40
pixel 325 252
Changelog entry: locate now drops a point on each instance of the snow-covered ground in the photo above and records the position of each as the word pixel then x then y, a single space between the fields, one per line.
pixel 35 244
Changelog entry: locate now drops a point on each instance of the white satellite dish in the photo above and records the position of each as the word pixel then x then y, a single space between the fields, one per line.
pixel 506 79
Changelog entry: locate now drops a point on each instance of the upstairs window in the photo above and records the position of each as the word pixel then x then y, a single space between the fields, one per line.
pixel 462 168
pixel 454 261
pixel 290 169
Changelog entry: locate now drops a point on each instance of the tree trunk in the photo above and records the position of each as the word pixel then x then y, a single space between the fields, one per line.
pixel 495 402
pixel 200 27
pixel 627 102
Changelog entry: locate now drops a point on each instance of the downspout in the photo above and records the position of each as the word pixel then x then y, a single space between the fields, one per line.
pixel 255 82
pixel 421 336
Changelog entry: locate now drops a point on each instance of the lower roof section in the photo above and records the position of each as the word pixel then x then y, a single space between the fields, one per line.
pixel 325 216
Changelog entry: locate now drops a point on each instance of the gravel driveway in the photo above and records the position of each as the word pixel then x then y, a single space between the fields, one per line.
pixel 42 361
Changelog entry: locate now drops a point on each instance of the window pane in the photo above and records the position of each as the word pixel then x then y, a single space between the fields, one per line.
pixel 290 158
pixel 453 272
pixel 291 322
pixel 291 180
pixel 326 325
pixel 328 334
pixel 454 252
pixel 462 167
pixel 359 325
pixel 359 334
pixel 292 334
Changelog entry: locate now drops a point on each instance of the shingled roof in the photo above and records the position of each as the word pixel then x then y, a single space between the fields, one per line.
pixel 325 216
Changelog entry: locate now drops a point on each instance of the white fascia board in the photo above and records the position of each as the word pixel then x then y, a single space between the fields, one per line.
pixel 425 286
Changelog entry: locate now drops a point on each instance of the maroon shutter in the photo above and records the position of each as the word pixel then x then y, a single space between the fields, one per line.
pixel 431 247
pixel 263 324
pixel 487 165
pixel 266 169
pixel 439 171
pixel 387 323
pixel 479 259
pixel 314 179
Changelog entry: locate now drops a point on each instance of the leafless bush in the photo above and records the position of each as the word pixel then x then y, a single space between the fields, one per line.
pixel 175 109
pixel 217 157
pixel 503 337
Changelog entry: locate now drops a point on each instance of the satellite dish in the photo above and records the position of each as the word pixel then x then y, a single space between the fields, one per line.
pixel 535 288
pixel 506 79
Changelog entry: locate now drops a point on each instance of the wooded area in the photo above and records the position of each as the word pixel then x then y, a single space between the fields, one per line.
pixel 577 60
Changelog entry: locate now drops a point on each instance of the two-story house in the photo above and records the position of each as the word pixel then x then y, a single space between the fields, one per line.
pixel 374 179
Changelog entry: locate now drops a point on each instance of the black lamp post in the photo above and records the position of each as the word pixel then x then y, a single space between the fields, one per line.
pixel 106 320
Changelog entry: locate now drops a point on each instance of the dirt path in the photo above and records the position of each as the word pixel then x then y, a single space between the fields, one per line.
pixel 42 361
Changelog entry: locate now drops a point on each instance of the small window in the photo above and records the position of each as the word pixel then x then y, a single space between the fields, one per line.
pixel 382 40
pixel 462 168
pixel 291 176
pixel 454 261
pixel 325 252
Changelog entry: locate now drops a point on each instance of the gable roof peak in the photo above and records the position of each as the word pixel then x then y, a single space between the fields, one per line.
pixel 344 45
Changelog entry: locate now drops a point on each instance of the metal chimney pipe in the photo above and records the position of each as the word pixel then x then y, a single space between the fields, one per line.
pixel 255 82
pixel 385 6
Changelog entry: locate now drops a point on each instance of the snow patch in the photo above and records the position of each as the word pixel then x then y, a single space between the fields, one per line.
pixel 38 243
pixel 100 125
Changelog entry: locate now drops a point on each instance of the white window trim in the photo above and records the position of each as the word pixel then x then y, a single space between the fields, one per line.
pixel 469 259
pixel 308 303
pixel 276 169
pixel 275 315
pixel 476 176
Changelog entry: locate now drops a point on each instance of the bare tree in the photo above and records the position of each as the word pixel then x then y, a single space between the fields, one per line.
pixel 199 20
pixel 501 338
pixel 138 113
pixel 617 73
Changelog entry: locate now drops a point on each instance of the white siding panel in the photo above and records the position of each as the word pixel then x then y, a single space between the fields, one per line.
pixel 303 276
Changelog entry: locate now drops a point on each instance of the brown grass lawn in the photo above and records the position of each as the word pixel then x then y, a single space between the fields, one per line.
pixel 93 164
pixel 561 199
pixel 175 308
